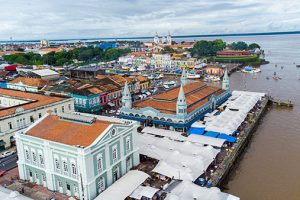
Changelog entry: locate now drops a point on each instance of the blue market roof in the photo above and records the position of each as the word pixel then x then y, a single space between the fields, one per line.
pixel 197 131
pixel 211 134
pixel 228 138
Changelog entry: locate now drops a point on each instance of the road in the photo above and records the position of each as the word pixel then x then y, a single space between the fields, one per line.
pixel 9 162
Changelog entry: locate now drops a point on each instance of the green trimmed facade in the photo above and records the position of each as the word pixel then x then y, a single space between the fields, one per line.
pixel 81 172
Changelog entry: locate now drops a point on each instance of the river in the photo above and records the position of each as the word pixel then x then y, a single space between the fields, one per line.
pixel 269 167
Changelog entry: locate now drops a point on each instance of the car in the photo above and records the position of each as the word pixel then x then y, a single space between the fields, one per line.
pixel 6 153
pixel 111 111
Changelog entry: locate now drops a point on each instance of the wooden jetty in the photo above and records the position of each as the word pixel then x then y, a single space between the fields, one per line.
pixel 278 102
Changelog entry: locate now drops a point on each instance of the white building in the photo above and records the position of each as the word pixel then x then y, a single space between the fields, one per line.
pixel 19 109
pixel 161 60
pixel 164 40
pixel 77 155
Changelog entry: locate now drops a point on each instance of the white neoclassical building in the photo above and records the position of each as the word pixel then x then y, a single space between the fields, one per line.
pixel 20 109
pixel 77 154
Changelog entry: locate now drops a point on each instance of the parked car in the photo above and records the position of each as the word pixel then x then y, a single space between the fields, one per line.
pixel 6 153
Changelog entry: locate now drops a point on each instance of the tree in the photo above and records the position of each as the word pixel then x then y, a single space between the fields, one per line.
pixel 253 46
pixel 168 49
pixel 207 48
pixel 239 46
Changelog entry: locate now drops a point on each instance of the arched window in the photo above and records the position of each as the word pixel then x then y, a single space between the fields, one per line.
pixel 74 170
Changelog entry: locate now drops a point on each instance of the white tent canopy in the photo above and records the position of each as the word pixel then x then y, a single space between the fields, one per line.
pixel 143 191
pixel 194 158
pixel 123 187
pixel 174 135
pixel 6 194
pixel 238 105
pixel 165 133
pixel 216 142
pixel 189 191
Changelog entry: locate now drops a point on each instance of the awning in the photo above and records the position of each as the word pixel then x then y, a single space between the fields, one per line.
pixel 216 142
pixel 211 134
pixel 123 187
pixel 111 104
pixel 143 191
pixel 197 131
pixel 228 138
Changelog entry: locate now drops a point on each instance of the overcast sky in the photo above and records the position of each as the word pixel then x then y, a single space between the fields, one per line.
pixel 57 19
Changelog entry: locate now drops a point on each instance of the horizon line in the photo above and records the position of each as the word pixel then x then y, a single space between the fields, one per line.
pixel 175 36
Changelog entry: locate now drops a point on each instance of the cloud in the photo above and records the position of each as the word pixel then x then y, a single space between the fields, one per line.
pixel 36 19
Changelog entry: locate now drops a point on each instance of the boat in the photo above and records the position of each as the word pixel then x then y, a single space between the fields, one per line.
pixel 160 75
pixel 297 65
pixel 193 76
pixel 250 70
pixel 152 76
pixel 267 78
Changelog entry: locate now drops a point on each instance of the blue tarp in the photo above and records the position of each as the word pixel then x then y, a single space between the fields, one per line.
pixel 228 138
pixel 211 134
pixel 196 131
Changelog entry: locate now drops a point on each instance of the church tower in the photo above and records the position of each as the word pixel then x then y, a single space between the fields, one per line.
pixel 126 98
pixel 181 106
pixel 183 78
pixel 169 39
pixel 225 82
pixel 156 38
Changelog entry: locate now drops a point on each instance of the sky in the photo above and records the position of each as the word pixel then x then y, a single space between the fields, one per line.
pixel 60 19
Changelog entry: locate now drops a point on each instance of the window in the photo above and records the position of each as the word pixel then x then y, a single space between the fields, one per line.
pixel 68 187
pixel 128 145
pixel 74 170
pixel 99 164
pixel 69 106
pixel 101 185
pixel 43 177
pixel 59 183
pixel 114 154
pixel 41 159
pixel 31 119
pixel 27 156
pixel 75 189
pixel 33 156
pixel 65 166
pixel 10 125
pixel 40 115
pixel 57 166
pixel 62 109
pixel 55 110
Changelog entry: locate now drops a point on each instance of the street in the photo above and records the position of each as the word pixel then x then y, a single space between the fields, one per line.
pixel 9 162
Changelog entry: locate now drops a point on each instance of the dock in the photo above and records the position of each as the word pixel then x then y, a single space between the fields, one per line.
pixel 278 102
pixel 231 155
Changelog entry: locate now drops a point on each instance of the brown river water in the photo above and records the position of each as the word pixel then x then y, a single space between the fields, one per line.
pixel 269 168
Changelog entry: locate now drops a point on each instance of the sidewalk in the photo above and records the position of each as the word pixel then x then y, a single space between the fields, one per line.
pixel 11 181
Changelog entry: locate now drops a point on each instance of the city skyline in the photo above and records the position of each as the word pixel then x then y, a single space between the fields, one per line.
pixel 105 19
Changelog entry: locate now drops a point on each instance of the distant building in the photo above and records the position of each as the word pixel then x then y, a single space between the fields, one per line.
pixel 161 60
pixel 86 72
pixel 27 84
pixel 45 74
pixel 163 40
pixel 77 155
pixel 234 53
pixel 177 108
pixel 44 43
pixel 214 70
pixel 18 110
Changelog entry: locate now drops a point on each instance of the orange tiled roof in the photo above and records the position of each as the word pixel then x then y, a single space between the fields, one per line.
pixel 166 102
pixel 37 82
pixel 50 49
pixel 121 80
pixel 9 52
pixel 38 101
pixel 66 132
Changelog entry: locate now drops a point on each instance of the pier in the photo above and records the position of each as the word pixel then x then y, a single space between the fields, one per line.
pixel 278 102
pixel 227 159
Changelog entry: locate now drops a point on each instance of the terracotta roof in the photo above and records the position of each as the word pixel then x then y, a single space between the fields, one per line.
pixel 196 94
pixel 50 49
pixel 68 132
pixel 121 80
pixel 37 82
pixel 109 88
pixel 38 100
